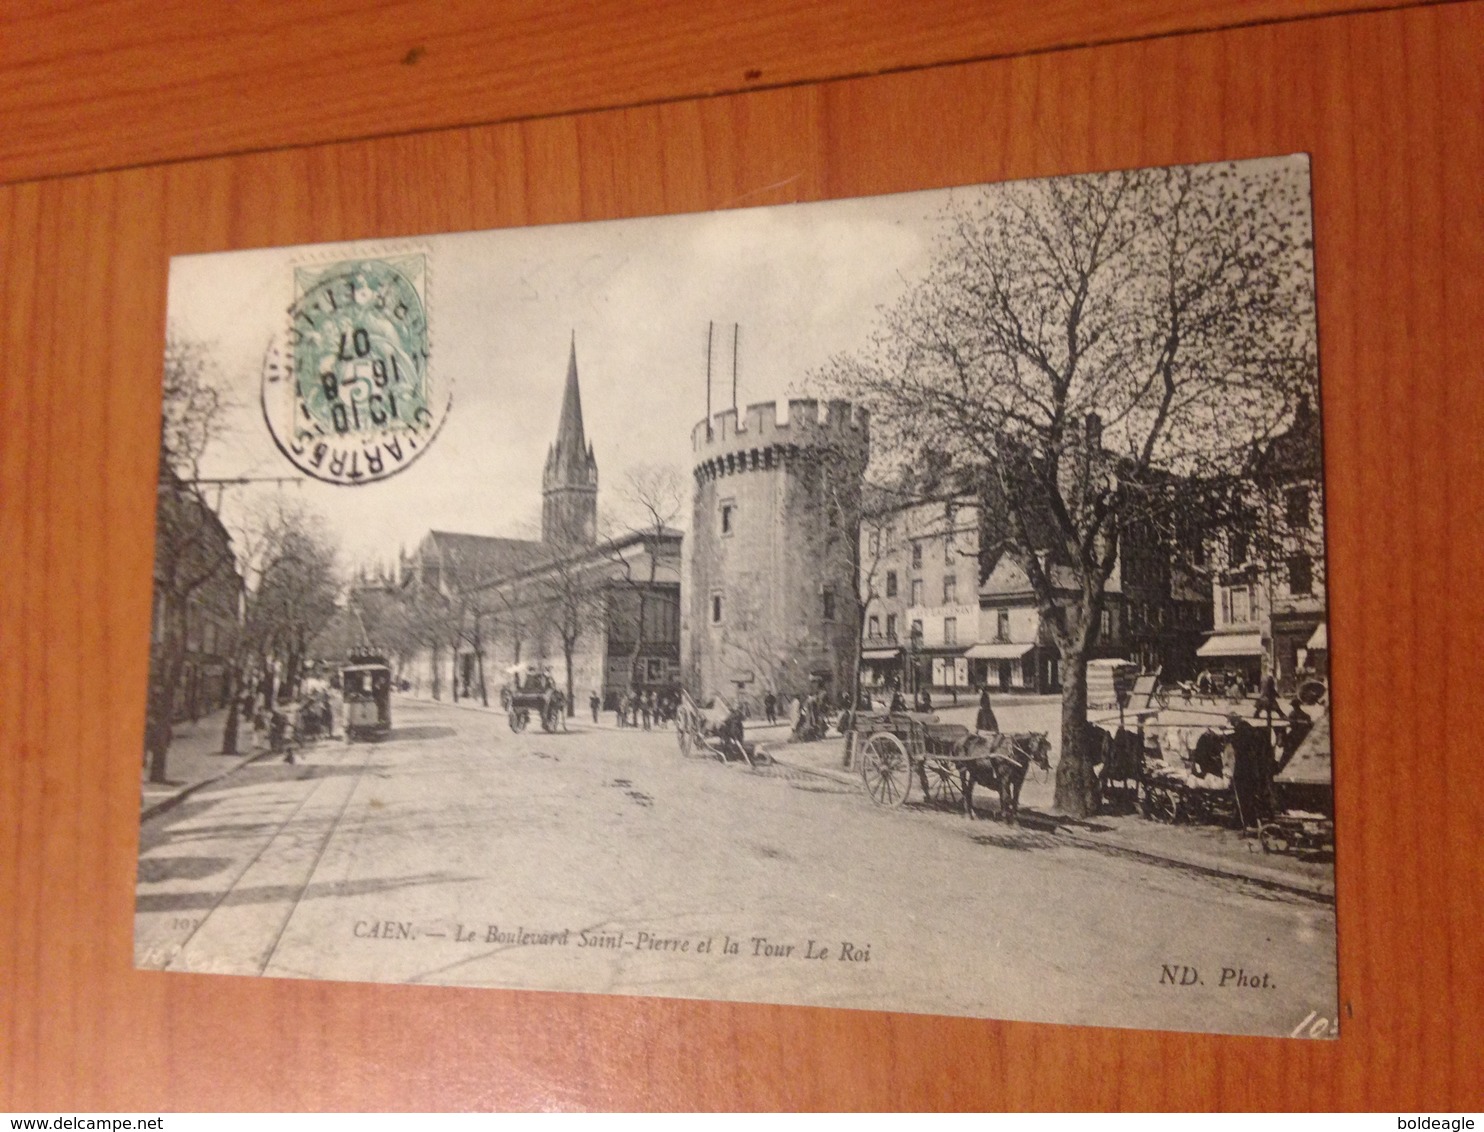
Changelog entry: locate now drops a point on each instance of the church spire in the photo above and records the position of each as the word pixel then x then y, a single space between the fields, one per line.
pixel 571 443
pixel 569 485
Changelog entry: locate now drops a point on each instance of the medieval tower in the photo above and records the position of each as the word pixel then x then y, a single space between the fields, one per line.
pixel 774 541
pixel 569 482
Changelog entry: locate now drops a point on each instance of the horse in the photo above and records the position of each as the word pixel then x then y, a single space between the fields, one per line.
pixel 1001 762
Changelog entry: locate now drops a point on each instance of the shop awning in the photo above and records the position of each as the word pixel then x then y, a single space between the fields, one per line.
pixel 1004 651
pixel 1232 644
pixel 880 654
pixel 1320 639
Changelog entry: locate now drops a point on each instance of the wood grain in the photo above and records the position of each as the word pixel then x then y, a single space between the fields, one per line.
pixel 128 82
pixel 1386 103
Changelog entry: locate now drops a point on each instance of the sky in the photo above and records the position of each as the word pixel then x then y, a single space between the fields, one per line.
pixel 802 283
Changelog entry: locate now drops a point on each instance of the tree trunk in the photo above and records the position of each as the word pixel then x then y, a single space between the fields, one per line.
pixel 234 695
pixel 159 730
pixel 484 692
pixel 1076 792
pixel 567 656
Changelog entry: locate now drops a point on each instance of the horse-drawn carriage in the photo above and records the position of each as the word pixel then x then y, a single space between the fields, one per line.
pixel 715 729
pixel 533 691
pixel 945 759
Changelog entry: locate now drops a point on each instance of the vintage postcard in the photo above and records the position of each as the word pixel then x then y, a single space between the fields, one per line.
pixel 913 604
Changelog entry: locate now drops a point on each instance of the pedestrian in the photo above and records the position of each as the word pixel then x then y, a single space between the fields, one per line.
pixel 595 702
pixel 1299 726
pixel 898 701
pixel 924 700
pixel 770 707
pixel 646 709
pixel 985 720
pixel 1252 772
pixel 1267 700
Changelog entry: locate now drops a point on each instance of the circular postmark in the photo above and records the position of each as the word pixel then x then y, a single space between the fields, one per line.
pixel 349 393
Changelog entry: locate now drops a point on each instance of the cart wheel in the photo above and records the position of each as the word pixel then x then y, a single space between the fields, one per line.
pixel 944 787
pixel 518 719
pixel 1161 805
pixel 886 769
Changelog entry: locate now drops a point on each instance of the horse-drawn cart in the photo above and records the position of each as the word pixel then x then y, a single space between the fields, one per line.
pixel 715 729
pixel 535 692
pixel 895 749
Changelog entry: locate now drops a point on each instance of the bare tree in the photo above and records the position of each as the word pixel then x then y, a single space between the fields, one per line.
pixel 1083 349
pixel 292 588
pixel 655 497
pixel 570 594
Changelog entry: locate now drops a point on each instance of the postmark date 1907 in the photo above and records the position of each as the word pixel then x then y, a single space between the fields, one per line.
pixel 350 394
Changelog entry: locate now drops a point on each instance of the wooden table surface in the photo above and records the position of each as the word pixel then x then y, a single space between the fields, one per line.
pixel 134 131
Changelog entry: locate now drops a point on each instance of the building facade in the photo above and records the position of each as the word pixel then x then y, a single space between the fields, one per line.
pixel 940 613
pixel 919 587
pixel 198 594
pixel 1267 598
pixel 773 549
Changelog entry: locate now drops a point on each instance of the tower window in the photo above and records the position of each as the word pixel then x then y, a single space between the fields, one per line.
pixel 716 609
pixel 916 591
pixel 950 589
pixel 891 583
pixel 728 517
pixel 916 555
pixel 829 603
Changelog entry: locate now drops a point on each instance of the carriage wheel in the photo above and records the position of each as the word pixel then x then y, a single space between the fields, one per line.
pixel 886 769
pixel 944 787
pixel 1161 804
pixel 518 719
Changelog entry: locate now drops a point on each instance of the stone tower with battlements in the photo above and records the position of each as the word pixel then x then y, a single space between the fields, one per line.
pixel 569 482
pixel 774 539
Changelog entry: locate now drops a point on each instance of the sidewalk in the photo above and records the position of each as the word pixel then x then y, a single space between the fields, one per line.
pixel 195 760
pixel 1200 848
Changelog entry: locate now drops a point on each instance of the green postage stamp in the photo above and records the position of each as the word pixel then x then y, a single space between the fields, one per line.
pixel 350 395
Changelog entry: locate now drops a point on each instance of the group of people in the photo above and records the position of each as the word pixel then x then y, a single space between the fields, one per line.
pixel 636 708
pixel 285 725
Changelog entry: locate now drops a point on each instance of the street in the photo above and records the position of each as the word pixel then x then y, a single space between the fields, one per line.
pixel 455 852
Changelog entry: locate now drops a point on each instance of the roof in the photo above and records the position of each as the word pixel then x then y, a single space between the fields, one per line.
pixel 548 557
pixel 475 559
pixel 1009 579
pixel 1296 454
pixel 570 460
